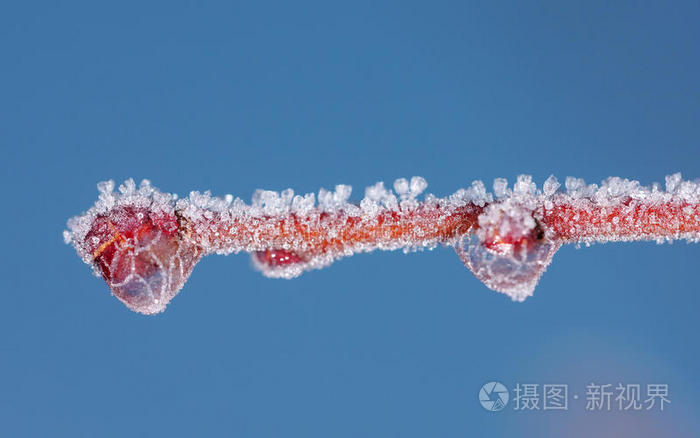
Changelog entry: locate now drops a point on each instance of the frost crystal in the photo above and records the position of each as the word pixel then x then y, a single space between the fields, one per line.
pixel 551 185
pixel 500 187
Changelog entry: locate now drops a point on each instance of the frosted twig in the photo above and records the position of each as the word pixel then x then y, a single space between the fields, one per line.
pixel 144 243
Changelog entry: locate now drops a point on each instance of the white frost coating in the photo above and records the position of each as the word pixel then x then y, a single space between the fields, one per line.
pixel 334 201
pixel 409 191
pixel 270 203
pixel 476 194
pixel 380 196
pixel 302 205
pixel 145 196
pixel 515 212
pixel 576 188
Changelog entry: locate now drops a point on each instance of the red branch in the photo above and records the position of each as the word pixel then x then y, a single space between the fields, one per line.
pixel 145 243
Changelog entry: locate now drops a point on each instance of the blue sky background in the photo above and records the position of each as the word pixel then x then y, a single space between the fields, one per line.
pixel 233 97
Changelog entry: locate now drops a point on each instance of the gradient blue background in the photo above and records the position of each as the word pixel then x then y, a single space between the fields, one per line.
pixel 237 97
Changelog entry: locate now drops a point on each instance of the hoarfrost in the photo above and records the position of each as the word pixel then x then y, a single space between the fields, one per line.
pixel 508 244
